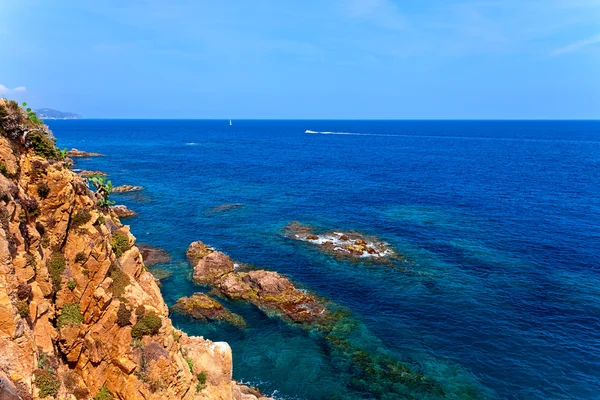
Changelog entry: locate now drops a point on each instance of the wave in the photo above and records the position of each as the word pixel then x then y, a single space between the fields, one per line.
pixel 192 144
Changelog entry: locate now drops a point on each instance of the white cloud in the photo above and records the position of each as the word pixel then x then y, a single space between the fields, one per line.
pixel 4 90
pixel 576 46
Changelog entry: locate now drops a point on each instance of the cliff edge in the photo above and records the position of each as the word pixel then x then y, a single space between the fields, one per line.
pixel 80 316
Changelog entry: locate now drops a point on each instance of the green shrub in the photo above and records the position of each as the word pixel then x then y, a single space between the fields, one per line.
pixel 201 381
pixel 120 281
pixel 23 308
pixel 31 115
pixel 81 217
pixel 120 243
pixel 42 145
pixel 148 325
pixel 70 316
pixel 103 394
pixel 80 257
pixel 47 382
pixel 43 190
pixel 104 189
pixel 3 169
pixel 190 364
pixel 56 266
pixel 123 316
pixel 72 285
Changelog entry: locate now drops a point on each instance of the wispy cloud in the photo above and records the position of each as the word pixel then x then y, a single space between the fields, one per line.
pixel 576 46
pixel 5 90
pixel 383 13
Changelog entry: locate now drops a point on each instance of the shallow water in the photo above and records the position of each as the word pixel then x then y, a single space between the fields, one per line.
pixel 500 222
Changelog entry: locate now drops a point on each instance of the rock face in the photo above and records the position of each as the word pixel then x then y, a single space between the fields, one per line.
pixel 122 211
pixel 80 153
pixel 204 308
pixel 349 245
pixel 270 291
pixel 127 188
pixel 79 313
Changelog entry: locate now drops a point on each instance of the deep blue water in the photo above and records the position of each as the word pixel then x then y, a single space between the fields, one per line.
pixel 500 222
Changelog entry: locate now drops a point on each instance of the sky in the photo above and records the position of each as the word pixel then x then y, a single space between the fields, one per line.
pixel 321 59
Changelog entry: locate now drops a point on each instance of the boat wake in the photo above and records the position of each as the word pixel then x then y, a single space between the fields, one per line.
pixel 349 133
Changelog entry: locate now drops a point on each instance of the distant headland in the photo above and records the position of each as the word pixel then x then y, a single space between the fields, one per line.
pixel 48 113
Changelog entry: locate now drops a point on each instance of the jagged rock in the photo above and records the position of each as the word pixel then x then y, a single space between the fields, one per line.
pixel 204 308
pixel 80 153
pixel 122 211
pixel 127 188
pixel 197 251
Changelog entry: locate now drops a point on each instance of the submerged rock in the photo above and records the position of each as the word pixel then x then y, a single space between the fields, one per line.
pixel 153 255
pixel 80 153
pixel 268 290
pixel 204 308
pixel 351 245
pixel 225 207
pixel 122 211
pixel 127 189
pixel 160 274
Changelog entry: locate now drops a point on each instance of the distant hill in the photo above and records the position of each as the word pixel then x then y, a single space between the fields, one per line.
pixel 48 113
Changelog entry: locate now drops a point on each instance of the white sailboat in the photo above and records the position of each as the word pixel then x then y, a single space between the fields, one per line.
pixel 229 122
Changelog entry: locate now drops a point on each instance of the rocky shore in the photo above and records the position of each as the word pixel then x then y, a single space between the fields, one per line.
pixel 80 315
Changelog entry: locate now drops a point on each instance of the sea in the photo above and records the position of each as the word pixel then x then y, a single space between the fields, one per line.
pixel 498 221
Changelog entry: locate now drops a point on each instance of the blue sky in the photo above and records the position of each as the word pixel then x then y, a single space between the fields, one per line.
pixel 304 59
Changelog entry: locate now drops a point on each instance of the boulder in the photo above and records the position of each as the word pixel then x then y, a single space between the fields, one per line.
pixel 211 267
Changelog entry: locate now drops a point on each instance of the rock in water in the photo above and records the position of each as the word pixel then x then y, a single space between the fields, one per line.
pixel 204 308
pixel 87 174
pixel 80 153
pixel 122 211
pixel 127 189
pixel 270 291
pixel 348 245
pixel 153 255
pixel 196 251
pixel 225 207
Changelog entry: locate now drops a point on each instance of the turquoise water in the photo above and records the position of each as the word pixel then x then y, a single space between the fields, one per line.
pixel 499 221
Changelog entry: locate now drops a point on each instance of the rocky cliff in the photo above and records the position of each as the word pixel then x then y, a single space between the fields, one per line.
pixel 80 316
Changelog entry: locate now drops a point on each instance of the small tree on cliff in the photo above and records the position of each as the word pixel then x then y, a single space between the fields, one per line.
pixel 103 190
